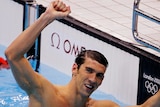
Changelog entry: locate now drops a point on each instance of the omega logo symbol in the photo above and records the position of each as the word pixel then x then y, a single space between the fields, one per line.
pixel 56 37
pixel 66 45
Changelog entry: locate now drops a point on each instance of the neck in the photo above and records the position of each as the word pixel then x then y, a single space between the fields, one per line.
pixel 76 99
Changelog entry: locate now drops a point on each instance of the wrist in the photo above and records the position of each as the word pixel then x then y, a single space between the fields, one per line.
pixel 47 18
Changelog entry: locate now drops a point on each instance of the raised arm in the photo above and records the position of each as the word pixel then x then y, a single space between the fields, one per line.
pixel 22 71
pixel 153 101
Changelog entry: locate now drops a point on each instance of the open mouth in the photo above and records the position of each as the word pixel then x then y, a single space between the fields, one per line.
pixel 90 87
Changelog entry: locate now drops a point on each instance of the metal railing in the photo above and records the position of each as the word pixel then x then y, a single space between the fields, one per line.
pixel 136 13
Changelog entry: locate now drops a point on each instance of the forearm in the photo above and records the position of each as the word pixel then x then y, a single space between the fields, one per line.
pixel 26 39
pixel 153 101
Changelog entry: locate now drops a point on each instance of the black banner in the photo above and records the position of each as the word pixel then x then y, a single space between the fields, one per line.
pixel 149 79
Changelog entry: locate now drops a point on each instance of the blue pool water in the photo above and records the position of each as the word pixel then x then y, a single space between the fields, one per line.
pixel 11 95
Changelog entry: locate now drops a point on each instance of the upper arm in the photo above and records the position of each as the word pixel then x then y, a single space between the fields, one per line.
pixel 106 103
pixel 153 101
pixel 25 76
pixel 136 106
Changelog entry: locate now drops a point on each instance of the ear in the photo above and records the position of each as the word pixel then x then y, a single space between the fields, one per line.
pixel 74 68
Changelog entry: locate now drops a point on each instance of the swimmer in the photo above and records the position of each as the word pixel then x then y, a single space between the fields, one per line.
pixel 87 70
pixel 4 64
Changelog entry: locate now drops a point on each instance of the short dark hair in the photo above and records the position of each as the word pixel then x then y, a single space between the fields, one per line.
pixel 95 55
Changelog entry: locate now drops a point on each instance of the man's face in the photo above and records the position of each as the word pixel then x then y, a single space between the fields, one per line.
pixel 89 76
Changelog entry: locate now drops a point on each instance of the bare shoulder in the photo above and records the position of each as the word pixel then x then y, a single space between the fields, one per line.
pixel 46 83
pixel 104 103
pixel 43 88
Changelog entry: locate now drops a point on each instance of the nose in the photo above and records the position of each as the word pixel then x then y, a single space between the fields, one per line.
pixel 92 78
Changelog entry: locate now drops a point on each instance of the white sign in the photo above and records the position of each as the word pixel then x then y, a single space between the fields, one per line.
pixel 60 43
